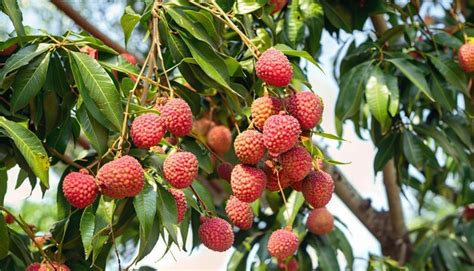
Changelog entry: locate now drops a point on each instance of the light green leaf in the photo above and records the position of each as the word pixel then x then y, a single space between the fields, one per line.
pixel 167 211
pixel 87 228
pixel 5 243
pixel 11 8
pixel 100 87
pixel 29 81
pixel 413 73
pixel 292 52
pixel 330 136
pixel 294 25
pixel 195 29
pixel 128 22
pixel 392 84
pixel 145 207
pixel 30 147
pixel 295 201
pixel 248 6
pixel 378 95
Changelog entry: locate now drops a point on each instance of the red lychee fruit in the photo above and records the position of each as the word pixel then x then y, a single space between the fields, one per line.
pixel 178 117
pixel 147 130
pixel 249 147
pixel 274 68
pixel 80 189
pixel 307 108
pixel 468 212
pixel 9 219
pixel 320 221
pixel 296 163
pixel 262 108
pixel 216 234
pixel 160 102
pixel 272 179
pixel 282 243
pixel 240 213
pixel 180 169
pixel 9 50
pixel 466 57
pixel 121 178
pixel 224 170
pixel 33 267
pixel 317 188
pixel 247 182
pixel 181 202
pixel 280 133
pixel 292 264
pixel 92 52
pixel 46 266
pixel 202 126
pixel 219 139
pixel 297 186
pixel 277 5
pixel 129 58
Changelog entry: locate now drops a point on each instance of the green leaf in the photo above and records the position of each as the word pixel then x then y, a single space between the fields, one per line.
pixel 441 93
pixel 392 84
pixel 167 211
pixel 205 195
pixel 338 15
pixel 451 72
pixel 145 208
pixel 128 21
pixel 87 228
pixel 100 87
pixel 327 258
pixel 384 152
pixel 59 138
pixel 22 58
pixel 195 29
pixel 11 8
pixel 5 243
pixel 295 201
pixel 238 260
pixel 191 97
pixel 447 40
pixel 329 136
pixel 352 86
pixel 299 53
pixel 201 154
pixel 413 73
pixel 339 240
pixel 294 25
pixel 3 182
pixel 94 131
pixel 30 147
pixel 248 6
pixel 378 95
pixel 29 81
pixel 416 152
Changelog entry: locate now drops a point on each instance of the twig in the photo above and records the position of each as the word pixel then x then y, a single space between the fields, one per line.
pixel 200 200
pixel 283 196
pixel 68 160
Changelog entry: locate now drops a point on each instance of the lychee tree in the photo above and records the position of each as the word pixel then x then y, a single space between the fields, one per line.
pixel 210 135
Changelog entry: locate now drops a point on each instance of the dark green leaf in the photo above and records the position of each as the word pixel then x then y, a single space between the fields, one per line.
pixel 168 211
pixel 441 93
pixel 384 152
pixel 59 138
pixel 3 183
pixel 451 72
pixel 87 228
pixel 145 208
pixel 94 131
pixel 338 15
pixel 447 40
pixel 11 8
pixel 205 195
pixel 5 243
pixel 413 73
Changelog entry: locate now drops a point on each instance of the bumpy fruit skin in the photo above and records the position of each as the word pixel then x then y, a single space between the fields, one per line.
pixel 180 169
pixel 247 182
pixel 224 171
pixel 249 147
pixel 317 188
pixel 147 130
pixel 296 163
pixel 274 68
pixel 240 213
pixel 178 117
pixel 320 221
pixel 181 202
pixel 219 138
pixel 297 186
pixel 33 267
pixel 307 108
pixel 262 108
pixel 280 133
pixel 216 234
pixel 278 5
pixel 292 265
pixel 282 243
pixel 54 267
pixel 80 189
pixel 272 179
pixel 121 178
pixel 466 57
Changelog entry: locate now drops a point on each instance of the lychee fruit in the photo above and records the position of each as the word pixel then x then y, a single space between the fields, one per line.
pixel 55 266
pixel 121 178
pixel 160 102
pixel 249 147
pixel 177 117
pixel 129 58
pixel 33 267
pixel 262 108
pixel 147 130
pixel 307 108
pixel 280 133
pixel 297 186
pixel 216 234
pixel 320 221
pixel 224 170
pixel 80 189
pixel 282 243
pixel 219 139
pixel 180 169
pixel 181 202
pixel 468 212
pixel 317 188
pixel 247 182
pixel 272 179
pixel 9 50
pixel 9 219
pixel 466 57
pixel 296 163
pixel 202 126
pixel 291 265
pixel 277 5
pixel 240 213
pixel 274 68
pixel 92 52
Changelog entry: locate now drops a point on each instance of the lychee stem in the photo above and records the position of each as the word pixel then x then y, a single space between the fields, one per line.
pixel 201 202
pixel 283 197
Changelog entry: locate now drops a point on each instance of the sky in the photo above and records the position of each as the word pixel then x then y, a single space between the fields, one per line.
pixel 359 153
